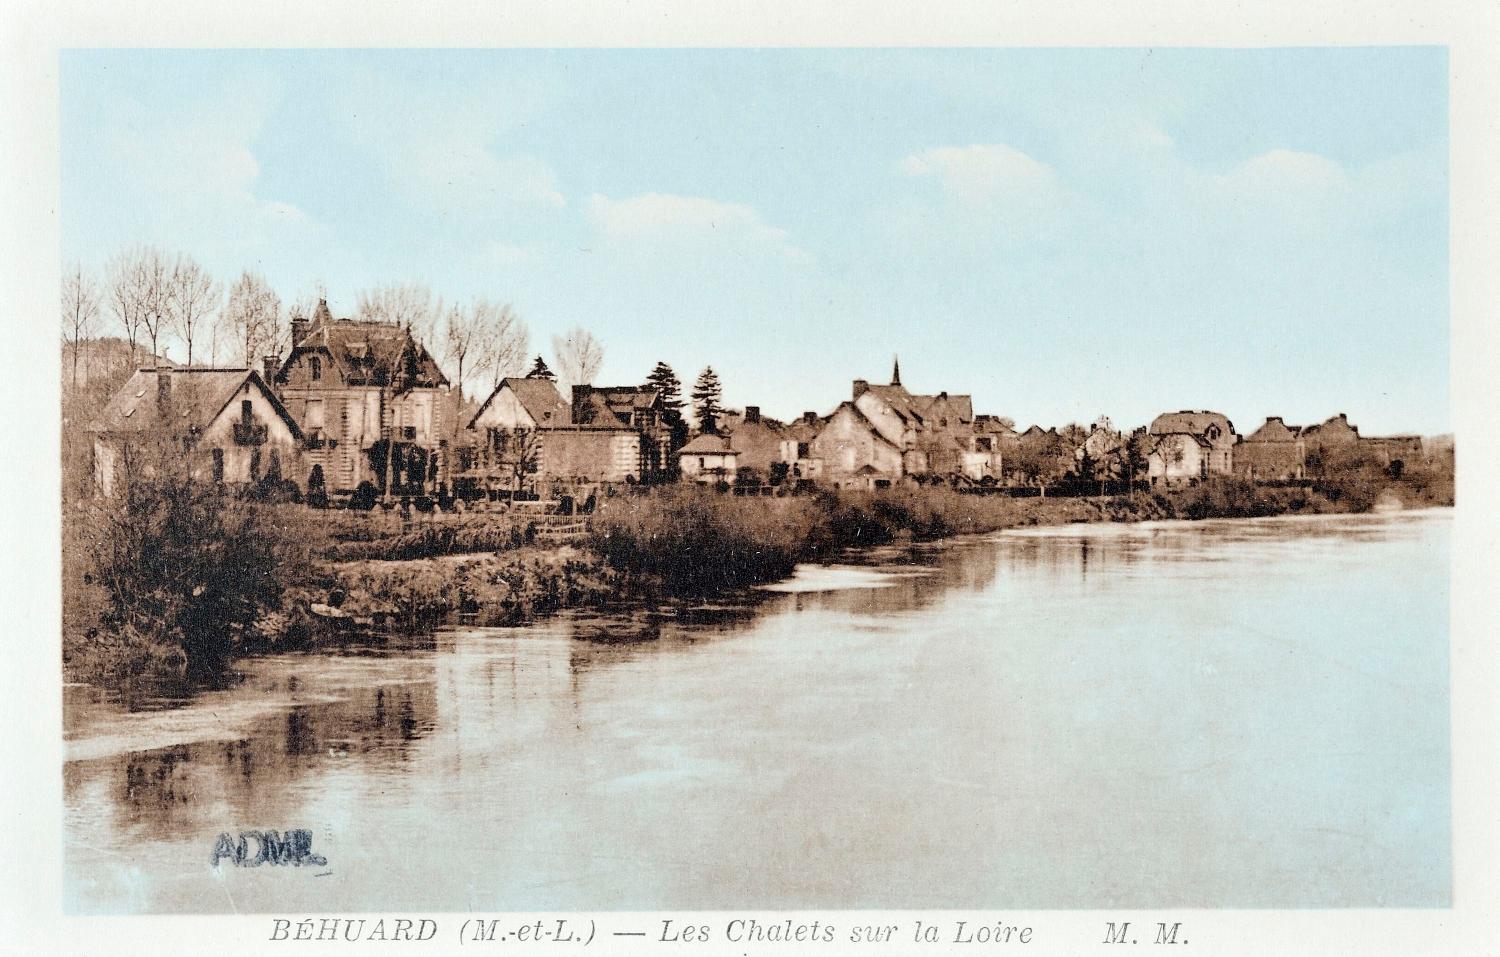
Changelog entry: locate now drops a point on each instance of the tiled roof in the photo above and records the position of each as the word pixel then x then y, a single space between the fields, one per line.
pixel 1189 422
pixel 708 445
pixel 540 399
pixel 367 351
pixel 197 397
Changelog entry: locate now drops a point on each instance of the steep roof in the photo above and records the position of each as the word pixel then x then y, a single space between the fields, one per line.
pixel 1274 430
pixel 366 351
pixel 613 401
pixel 863 421
pixel 1190 422
pixel 899 400
pixel 962 406
pixel 802 430
pixel 539 397
pixel 198 396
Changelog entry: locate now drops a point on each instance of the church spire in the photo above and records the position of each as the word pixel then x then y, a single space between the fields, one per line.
pixel 896 371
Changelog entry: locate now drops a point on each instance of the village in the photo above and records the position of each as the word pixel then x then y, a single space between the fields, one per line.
pixel 360 414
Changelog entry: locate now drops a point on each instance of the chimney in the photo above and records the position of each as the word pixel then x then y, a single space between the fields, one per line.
pixel 269 365
pixel 163 387
pixel 580 404
pixel 299 330
pixel 811 418
pixel 860 387
pixel 752 414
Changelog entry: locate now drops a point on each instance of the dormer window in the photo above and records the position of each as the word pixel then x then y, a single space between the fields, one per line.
pixel 315 366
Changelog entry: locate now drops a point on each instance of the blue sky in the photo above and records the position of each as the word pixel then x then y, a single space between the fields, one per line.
pixel 1061 233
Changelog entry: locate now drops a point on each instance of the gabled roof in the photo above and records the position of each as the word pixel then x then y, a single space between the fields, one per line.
pixel 614 401
pixel 708 445
pixel 367 351
pixel 1274 430
pixel 198 397
pixel 539 397
pixel 1190 422
pixel 899 401
pixel 863 420
pixel 801 430
pixel 962 406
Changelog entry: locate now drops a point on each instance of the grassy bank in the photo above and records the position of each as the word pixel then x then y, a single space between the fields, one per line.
pixel 176 582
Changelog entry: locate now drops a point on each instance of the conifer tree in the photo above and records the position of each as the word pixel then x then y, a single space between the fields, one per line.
pixel 706 395
pixel 539 370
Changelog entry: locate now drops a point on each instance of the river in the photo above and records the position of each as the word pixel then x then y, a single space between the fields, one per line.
pixel 1214 714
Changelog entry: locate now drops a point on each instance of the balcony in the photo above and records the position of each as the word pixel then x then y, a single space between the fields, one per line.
pixel 250 433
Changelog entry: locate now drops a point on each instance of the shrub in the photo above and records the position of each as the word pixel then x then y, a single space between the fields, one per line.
pixel 183 569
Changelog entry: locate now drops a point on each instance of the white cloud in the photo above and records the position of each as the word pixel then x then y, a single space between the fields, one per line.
pixel 991 196
pixel 667 216
pixel 983 172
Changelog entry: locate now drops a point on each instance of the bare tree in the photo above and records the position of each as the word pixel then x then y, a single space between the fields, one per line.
pixel 155 277
pixel 251 319
pixel 192 295
pixel 125 293
pixel 502 341
pixel 579 356
pixel 80 311
pixel 409 305
pixel 460 335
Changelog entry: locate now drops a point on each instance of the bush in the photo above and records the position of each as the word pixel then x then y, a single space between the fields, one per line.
pixel 183 571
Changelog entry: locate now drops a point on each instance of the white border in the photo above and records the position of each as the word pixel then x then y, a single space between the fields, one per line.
pixel 34 31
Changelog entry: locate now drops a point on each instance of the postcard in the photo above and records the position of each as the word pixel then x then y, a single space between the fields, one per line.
pixel 758 498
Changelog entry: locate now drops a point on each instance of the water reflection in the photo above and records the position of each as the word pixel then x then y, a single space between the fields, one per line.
pixel 1084 716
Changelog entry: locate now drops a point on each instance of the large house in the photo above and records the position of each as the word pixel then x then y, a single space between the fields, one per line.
pixel 372 402
pixel 526 435
pixel 228 423
pixel 639 408
pixel 1191 445
pixel 1274 452
pixel 1277 451
pixel 757 443
pixel 853 452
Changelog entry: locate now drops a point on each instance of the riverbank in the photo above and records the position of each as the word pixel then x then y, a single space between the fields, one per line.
pixel 672 544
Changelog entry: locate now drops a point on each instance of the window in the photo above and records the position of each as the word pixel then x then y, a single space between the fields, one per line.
pixel 802 450
pixel 313 418
pixel 255 466
pixel 315 367
pixel 218 465
pixel 245 409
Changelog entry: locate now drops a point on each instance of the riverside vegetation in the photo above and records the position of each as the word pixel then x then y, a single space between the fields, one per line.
pixel 171 579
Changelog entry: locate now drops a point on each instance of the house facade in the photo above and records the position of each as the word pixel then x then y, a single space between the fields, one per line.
pixel 853 452
pixel 372 402
pixel 1191 445
pixel 640 410
pixel 1275 452
pixel 709 459
pixel 757 441
pixel 228 423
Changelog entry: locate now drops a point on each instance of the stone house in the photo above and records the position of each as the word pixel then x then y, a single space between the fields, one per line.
pixel 854 452
pixel 709 459
pixel 796 448
pixel 1274 452
pixel 372 402
pixel 933 432
pixel 229 424
pixel 757 441
pixel 1335 439
pixel 525 435
pixel 1191 445
pixel 640 409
